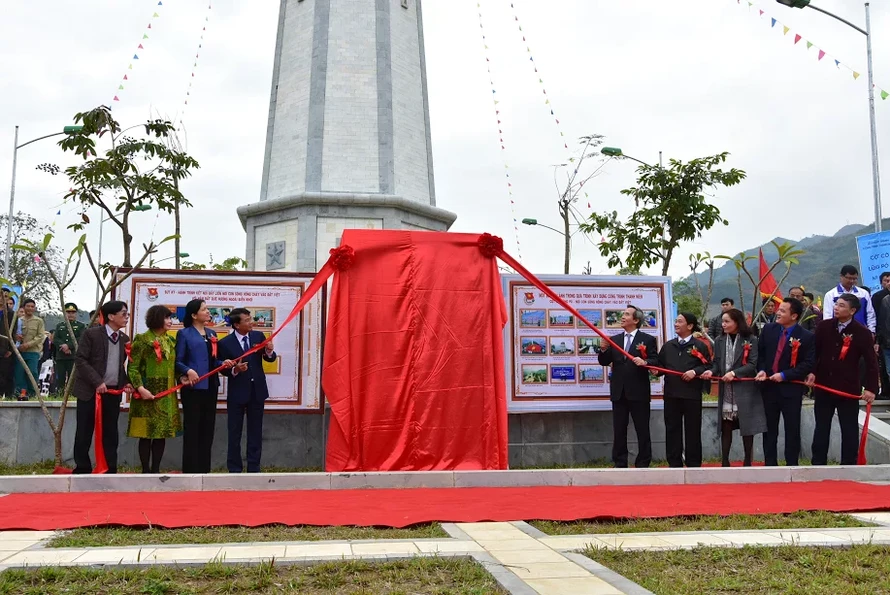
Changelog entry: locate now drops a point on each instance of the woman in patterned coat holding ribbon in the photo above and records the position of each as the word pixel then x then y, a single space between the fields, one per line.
pixel 152 371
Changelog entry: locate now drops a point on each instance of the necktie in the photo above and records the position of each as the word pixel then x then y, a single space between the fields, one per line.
pixel 245 344
pixel 114 337
pixel 628 339
pixel 783 338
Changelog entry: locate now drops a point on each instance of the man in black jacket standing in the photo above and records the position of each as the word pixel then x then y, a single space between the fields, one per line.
pixel 683 394
pixel 629 387
pixel 785 353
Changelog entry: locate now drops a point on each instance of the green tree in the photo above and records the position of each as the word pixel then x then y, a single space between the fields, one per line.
pixel 232 263
pixel 129 176
pixel 687 300
pixel 670 208
pixel 24 270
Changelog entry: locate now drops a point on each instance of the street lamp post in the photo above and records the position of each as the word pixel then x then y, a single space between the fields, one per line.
pixel 531 221
pixel 15 152
pixel 875 169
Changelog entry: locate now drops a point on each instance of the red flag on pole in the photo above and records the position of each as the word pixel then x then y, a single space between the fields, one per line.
pixel 768 284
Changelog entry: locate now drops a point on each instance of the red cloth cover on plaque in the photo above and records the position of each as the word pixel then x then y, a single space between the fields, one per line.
pixel 414 355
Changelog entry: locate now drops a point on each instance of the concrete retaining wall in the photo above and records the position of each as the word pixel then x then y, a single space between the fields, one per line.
pixel 297 441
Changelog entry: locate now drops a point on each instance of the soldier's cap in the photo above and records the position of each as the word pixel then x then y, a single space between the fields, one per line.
pixel 70 307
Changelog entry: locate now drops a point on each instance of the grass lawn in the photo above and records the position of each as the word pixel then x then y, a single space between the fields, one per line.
pixel 420 575
pixel 124 536
pixel 790 570
pixel 797 520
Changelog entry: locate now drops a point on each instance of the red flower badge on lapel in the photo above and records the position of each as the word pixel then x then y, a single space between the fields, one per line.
pixel 213 342
pixel 127 349
pixel 845 346
pixel 157 346
pixel 746 350
pixel 642 349
pixel 795 347
pixel 694 352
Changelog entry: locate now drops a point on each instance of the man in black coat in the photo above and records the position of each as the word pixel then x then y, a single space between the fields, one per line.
pixel 247 391
pixel 629 387
pixel 840 343
pixel 785 353
pixel 99 366
pixel 683 394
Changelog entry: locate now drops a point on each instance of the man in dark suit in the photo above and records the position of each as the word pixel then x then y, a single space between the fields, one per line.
pixel 840 343
pixel 881 337
pixel 786 352
pixel 99 367
pixel 683 394
pixel 247 389
pixel 629 388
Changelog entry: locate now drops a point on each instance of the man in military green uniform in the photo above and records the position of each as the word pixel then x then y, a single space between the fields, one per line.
pixel 64 347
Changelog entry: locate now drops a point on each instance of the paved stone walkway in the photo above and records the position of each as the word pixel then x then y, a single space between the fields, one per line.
pixel 524 560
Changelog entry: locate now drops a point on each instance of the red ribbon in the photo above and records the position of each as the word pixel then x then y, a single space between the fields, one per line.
pixel 509 260
pixel 101 462
pixel 694 352
pixel 845 347
pixel 157 346
pixel 745 351
pixel 795 346
pixel 642 349
pixel 128 348
pixel 213 342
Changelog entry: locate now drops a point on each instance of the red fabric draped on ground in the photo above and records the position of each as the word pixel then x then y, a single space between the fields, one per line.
pixel 400 508
pixel 414 362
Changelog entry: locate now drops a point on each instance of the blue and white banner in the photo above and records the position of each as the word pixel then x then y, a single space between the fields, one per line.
pixel 874 258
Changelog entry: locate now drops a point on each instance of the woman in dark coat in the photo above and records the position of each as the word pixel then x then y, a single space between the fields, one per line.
pixel 740 404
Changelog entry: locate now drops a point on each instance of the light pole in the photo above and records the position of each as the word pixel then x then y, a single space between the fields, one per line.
pixel 138 208
pixel 15 152
pixel 531 221
pixel 875 170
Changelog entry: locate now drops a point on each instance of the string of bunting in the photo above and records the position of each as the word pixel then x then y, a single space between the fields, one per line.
pixel 188 91
pixel 500 126
pixel 797 38
pixel 139 48
pixel 538 75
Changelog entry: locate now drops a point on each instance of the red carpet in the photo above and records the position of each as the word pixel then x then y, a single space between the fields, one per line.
pixel 400 508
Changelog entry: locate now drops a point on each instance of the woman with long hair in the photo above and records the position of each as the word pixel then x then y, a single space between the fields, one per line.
pixel 195 357
pixel 740 404
pixel 151 372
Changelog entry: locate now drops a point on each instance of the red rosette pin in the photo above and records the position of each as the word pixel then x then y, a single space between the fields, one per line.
pixel 845 346
pixel 746 350
pixel 157 346
pixel 694 352
pixel 642 349
pixel 342 257
pixel 127 349
pixel 213 341
pixel 490 245
pixel 795 347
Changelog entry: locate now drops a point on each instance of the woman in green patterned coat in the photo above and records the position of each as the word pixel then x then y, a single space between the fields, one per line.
pixel 151 372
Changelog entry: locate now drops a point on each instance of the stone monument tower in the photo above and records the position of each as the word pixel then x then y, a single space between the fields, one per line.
pixel 348 140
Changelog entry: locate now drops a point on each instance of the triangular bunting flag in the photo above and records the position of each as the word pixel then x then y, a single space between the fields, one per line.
pixel 144 36
pixel 130 67
pixel 120 87
pixel 115 98
pixel 160 3
pixel 149 26
pixel 884 94
pixel 135 57
pixel 786 29
pixel 495 101
pixel 774 22
pixel 837 63
pixel 761 13
pixel 797 38
pixel 125 78
pixel 140 47
pixel 809 44
pixel 548 101
pixel 155 15
pixel 855 75
pixel 821 54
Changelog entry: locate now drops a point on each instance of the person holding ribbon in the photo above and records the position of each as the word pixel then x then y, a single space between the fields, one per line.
pixel 786 354
pixel 99 364
pixel 153 419
pixel 196 358
pixel 739 403
pixel 683 394
pixel 840 343
pixel 630 388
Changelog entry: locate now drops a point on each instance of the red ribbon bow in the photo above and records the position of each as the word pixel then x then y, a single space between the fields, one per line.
pixel 694 352
pixel 213 341
pixel 127 349
pixel 845 347
pixel 342 257
pixel 745 351
pixel 157 346
pixel 490 245
pixel 642 349
pixel 795 346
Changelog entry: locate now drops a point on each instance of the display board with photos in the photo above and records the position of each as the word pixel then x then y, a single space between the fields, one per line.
pixel 294 379
pixel 551 355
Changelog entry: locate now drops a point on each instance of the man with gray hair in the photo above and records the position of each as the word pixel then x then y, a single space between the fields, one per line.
pixel 630 388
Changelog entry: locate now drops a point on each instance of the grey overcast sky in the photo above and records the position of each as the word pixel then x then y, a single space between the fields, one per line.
pixel 687 77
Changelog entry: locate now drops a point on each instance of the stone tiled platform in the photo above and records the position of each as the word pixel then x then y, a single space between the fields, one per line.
pixel 435 479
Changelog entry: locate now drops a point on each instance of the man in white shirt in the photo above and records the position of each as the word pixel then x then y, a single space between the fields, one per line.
pixel 849 277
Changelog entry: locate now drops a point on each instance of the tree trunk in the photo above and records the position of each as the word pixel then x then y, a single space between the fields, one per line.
pixel 564 211
pixel 176 240
pixel 128 239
